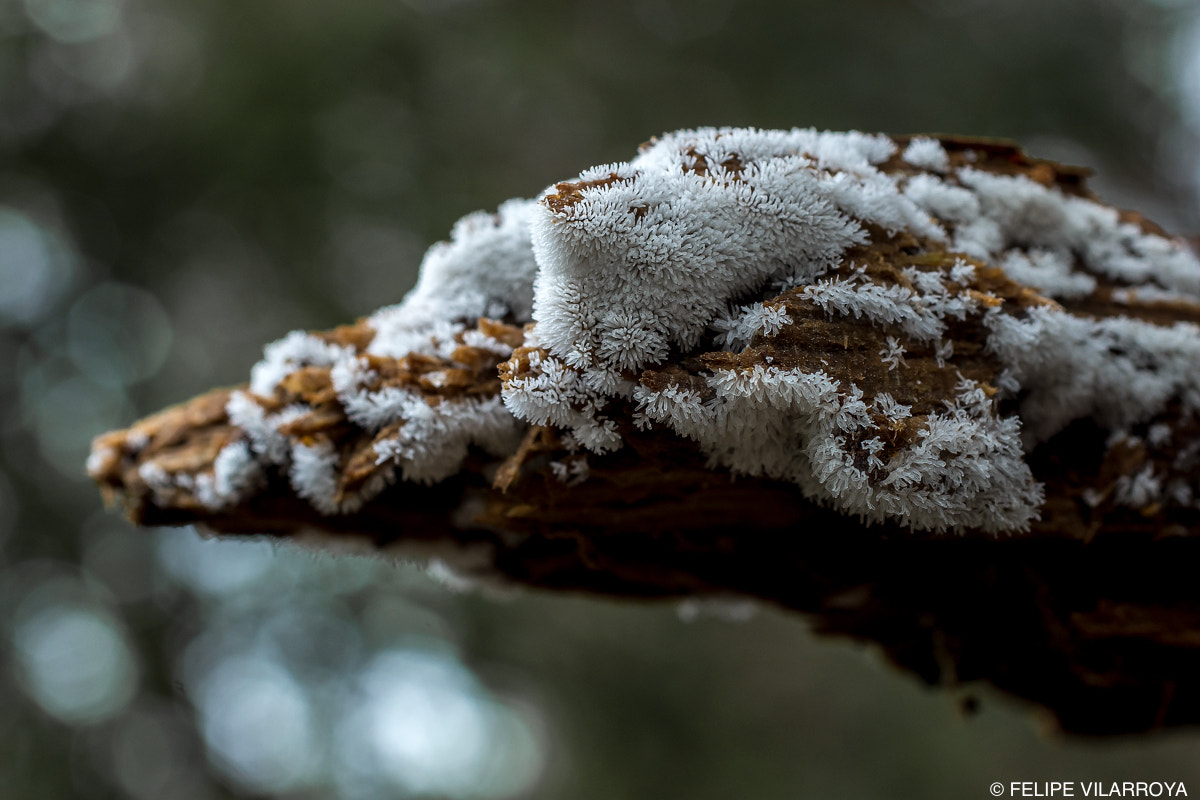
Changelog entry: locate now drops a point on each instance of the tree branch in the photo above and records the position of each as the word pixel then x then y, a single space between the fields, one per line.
pixel 1092 612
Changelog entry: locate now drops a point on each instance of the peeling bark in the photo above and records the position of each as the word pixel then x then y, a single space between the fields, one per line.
pixel 1092 615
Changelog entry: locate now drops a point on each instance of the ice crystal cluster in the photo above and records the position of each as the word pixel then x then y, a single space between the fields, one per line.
pixel 638 260
pixel 633 264
pixel 486 270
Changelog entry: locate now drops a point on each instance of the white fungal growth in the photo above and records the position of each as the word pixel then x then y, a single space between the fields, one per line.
pixel 927 154
pixel 313 474
pixel 1150 294
pixel 945 201
pixel 943 352
pixel 562 397
pixel 136 440
pixel 270 445
pixel 1049 272
pixel 297 349
pixel 636 259
pixel 887 405
pixel 1016 211
pixel 1159 435
pixel 644 255
pixel 738 329
pixel 433 442
pixel 485 270
pixel 155 476
pixel 1139 490
pixel 236 475
pixel 571 472
pixel 962 272
pixel 474 338
pixel 1116 370
pixel 633 263
pixel 872 447
pixel 893 353
pixel 100 459
pixel 966 470
pixel 919 313
pixel 1180 493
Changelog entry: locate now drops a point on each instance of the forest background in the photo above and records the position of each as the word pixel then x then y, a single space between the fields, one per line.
pixel 181 183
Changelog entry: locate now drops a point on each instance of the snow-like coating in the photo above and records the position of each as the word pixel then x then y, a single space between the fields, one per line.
pixel 633 263
pixel 637 260
pixel 919 312
pixel 928 154
pixel 966 470
pixel 1118 371
pixel 486 269
pixel 696 220
pixel 236 475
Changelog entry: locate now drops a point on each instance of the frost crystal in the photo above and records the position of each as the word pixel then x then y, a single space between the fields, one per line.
pixel 635 265
pixel 637 259
pixel 893 354
pixel 485 270
pixel 919 312
pixel 736 330
pixel 928 154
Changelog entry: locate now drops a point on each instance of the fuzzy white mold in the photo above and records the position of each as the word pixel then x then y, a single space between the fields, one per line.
pixel 638 259
pixel 486 269
pixel 634 261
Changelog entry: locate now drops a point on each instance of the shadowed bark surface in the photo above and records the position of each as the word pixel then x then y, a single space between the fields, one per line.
pixel 1094 614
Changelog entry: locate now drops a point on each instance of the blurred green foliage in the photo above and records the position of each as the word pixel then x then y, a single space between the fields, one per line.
pixel 182 182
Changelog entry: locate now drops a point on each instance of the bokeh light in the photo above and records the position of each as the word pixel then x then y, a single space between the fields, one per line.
pixel 258 725
pixel 75 662
pixel 149 754
pixel 211 566
pixel 65 409
pixel 423 722
pixel 75 20
pixel 118 335
pixel 181 183
pixel 36 268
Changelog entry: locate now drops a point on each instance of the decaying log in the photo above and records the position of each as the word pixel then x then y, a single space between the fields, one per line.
pixel 1088 608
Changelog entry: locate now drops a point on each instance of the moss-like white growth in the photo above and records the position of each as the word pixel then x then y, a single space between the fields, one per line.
pixel 281 358
pixel 562 397
pixel 927 154
pixel 919 312
pixel 638 258
pixel 1118 371
pixel 966 470
pixel 485 270
pixel 634 262
pixel 236 475
pixel 737 328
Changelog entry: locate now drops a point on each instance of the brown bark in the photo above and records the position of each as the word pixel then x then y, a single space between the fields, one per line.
pixel 1093 615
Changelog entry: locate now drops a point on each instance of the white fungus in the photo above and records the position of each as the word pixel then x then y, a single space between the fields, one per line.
pixel 637 259
pixel 485 270
pixel 634 262
pixel 927 153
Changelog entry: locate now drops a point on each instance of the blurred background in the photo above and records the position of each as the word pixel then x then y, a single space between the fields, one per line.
pixel 181 183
